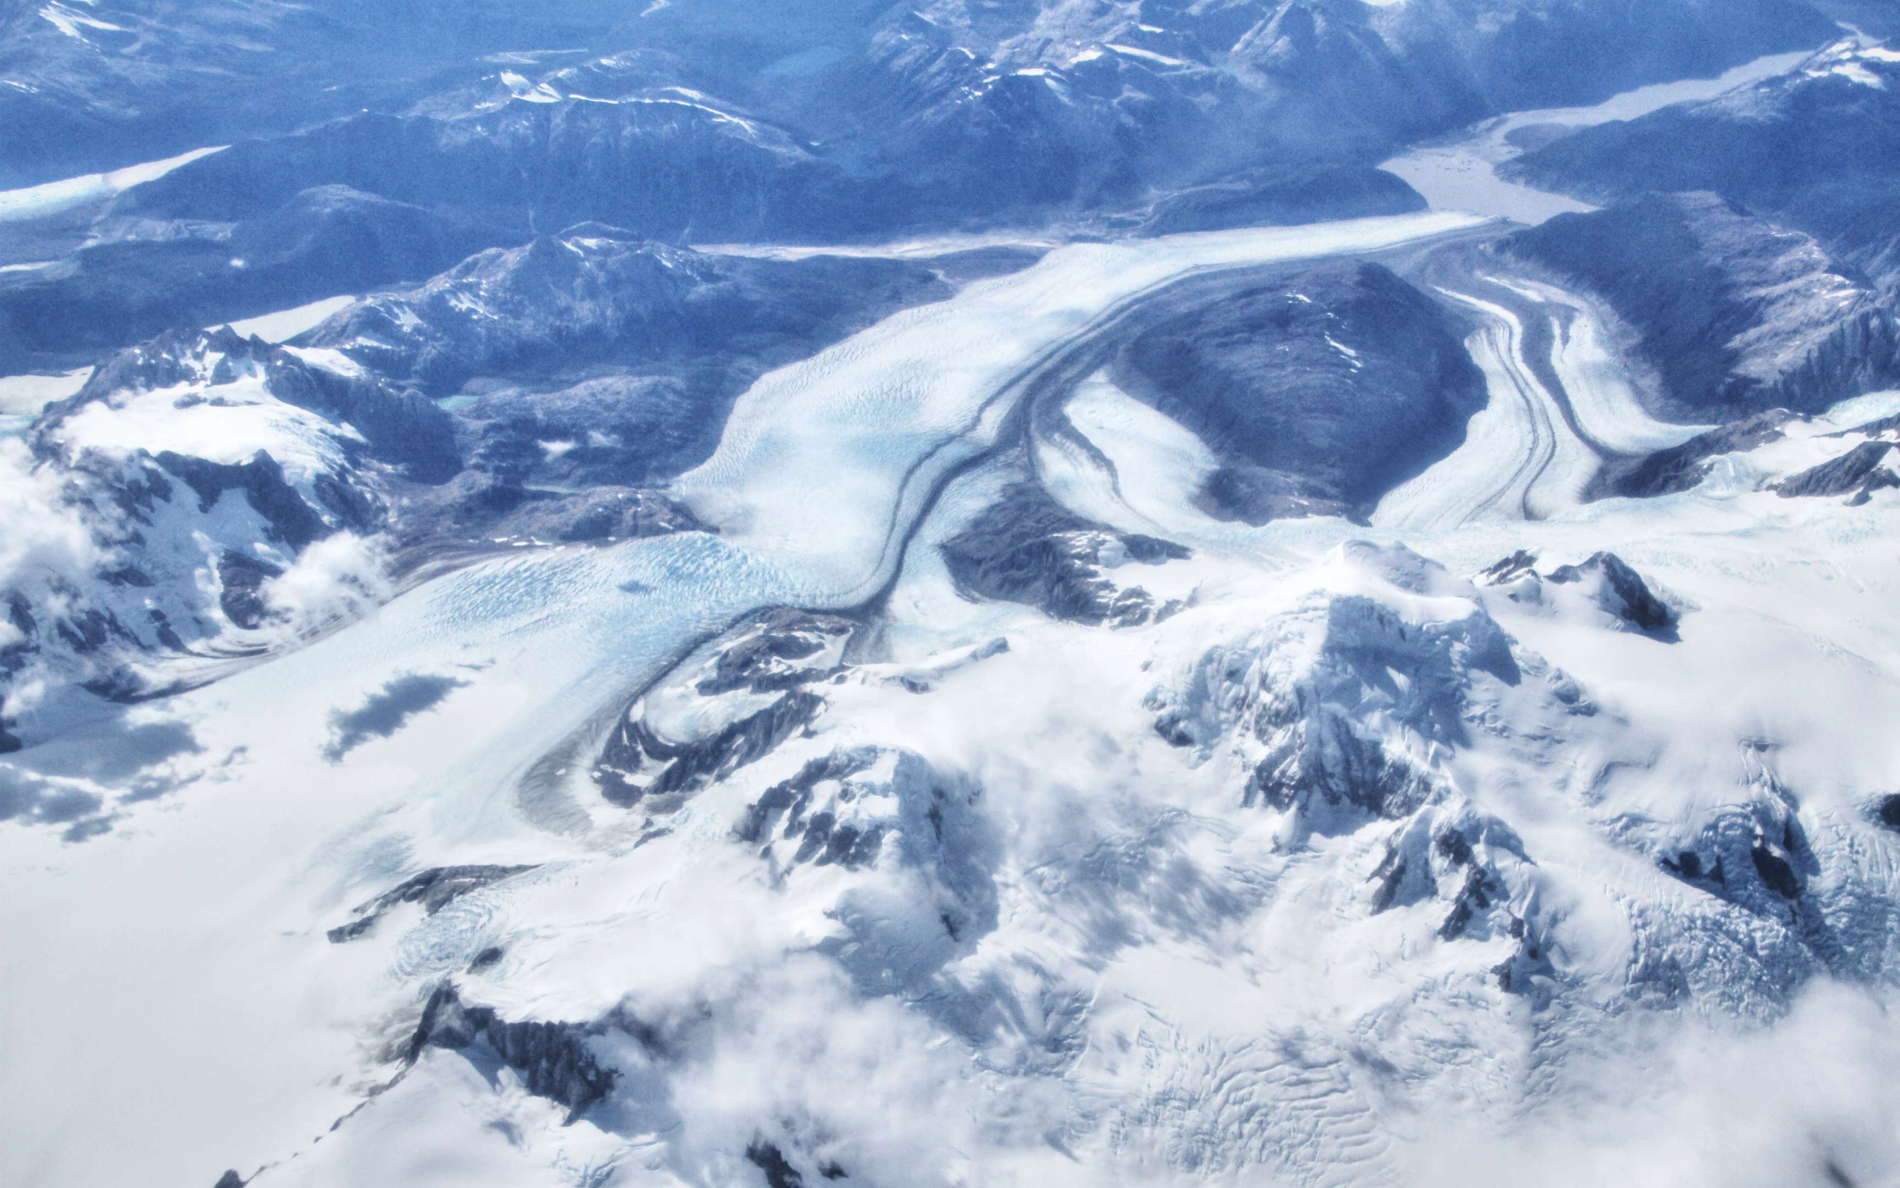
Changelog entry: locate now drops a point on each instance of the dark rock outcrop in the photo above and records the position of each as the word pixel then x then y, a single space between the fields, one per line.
pixel 1603 582
pixel 636 764
pixel 433 889
pixel 554 1059
pixel 1318 393
pixel 779 653
pixel 1858 474
pixel 240 588
pixel 1735 314
pixel 1299 726
pixel 775 651
pixel 1754 855
pixel 1455 856
pixel 823 838
pixel 1622 592
pixel 768 1158
pixel 1027 548
pixel 1680 468
pixel 1889 812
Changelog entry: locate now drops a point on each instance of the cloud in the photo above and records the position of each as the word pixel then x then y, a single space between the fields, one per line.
pixel 335 580
pixel 1808 1100
pixel 45 536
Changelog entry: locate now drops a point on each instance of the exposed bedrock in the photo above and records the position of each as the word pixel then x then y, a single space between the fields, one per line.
pixel 1603 582
pixel 553 1059
pixel 1857 474
pixel 432 890
pixel 885 808
pixel 1027 548
pixel 1888 811
pixel 1609 582
pixel 729 704
pixel 1318 393
pixel 1681 467
pixel 1477 870
pixel 637 763
pixel 1735 314
pixel 200 468
pixel 1333 708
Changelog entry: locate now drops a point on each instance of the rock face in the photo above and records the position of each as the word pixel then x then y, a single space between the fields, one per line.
pixel 1295 700
pixel 638 764
pixel 1469 867
pixel 1858 473
pixel 1604 582
pixel 769 661
pixel 1680 468
pixel 553 1058
pixel 1736 315
pixel 125 285
pixel 1609 582
pixel 874 807
pixel 433 889
pixel 1027 548
pixel 1318 394
pixel 1826 133
pixel 186 479
pixel 1889 812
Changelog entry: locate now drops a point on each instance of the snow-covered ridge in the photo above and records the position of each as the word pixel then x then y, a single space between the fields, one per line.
pixel 974 703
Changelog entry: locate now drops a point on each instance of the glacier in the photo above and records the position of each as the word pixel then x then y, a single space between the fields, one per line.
pixel 976 692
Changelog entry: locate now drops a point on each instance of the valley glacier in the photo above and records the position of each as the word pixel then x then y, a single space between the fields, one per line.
pixel 1031 694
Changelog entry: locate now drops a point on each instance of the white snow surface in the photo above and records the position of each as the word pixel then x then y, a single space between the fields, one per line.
pixel 285 324
pixel 50 198
pixel 226 423
pixel 23 397
pixel 821 458
pixel 1158 976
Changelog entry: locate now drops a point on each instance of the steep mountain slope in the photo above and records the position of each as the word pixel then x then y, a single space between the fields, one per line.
pixel 1813 149
pixel 958 593
pixel 1737 314
pixel 201 486
pixel 97 85
pixel 1318 395
pixel 684 123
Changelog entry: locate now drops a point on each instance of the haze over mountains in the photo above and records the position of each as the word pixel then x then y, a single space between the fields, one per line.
pixel 984 592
